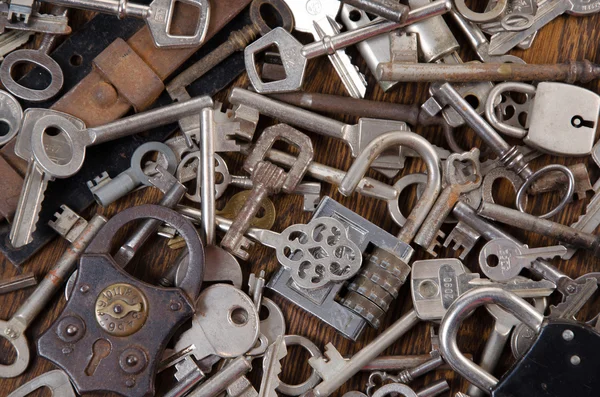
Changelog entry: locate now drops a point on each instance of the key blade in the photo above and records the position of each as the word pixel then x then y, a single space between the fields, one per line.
pixel 526 289
pixel 29 206
pixel 353 80
pixel 548 253
pixel 574 302
pixel 501 43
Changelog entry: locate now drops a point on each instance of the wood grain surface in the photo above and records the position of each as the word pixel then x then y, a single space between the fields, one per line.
pixel 566 38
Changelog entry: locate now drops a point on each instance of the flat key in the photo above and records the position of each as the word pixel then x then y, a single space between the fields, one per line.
pixel 29 206
pixel 17 283
pixel 503 259
pixel 501 43
pixel 320 22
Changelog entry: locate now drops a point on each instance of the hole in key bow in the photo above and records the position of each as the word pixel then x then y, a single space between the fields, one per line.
pixel 578 122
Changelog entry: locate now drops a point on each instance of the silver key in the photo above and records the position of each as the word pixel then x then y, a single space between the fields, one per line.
pixel 51 158
pixel 295 56
pixel 320 22
pixel 462 238
pixel 272 368
pixel 14 329
pixel 10 41
pixel 503 259
pixel 501 43
pixel 10 108
pixel 37 23
pixel 158 16
pixel 373 51
pixel 106 190
pixel 57 382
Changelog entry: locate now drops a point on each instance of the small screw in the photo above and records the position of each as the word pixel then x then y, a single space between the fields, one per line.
pixel 568 335
pixel 571 289
pixel 84 288
pixel 72 330
pixel 66 350
pixel 131 361
pixel 118 309
pixel 575 360
pixel 130 383
pixel 175 306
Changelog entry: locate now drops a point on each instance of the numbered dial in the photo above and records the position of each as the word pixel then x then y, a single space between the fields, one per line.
pixel 121 309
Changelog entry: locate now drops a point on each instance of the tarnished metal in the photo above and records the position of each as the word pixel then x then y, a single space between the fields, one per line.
pixel 541 226
pixel 557 180
pixel 388 9
pixel 572 72
pixel 16 283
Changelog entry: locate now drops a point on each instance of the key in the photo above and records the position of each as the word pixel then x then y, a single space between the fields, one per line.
pixel 106 190
pixel 406 376
pixel 462 238
pixel 457 185
pixel 267 179
pixel 12 115
pixel 221 380
pixel 10 41
pixel 541 226
pixel 547 12
pixel 37 23
pixel 295 56
pixel 320 22
pixel 329 260
pixel 158 16
pixel 14 329
pixel 40 57
pixel 49 161
pixel 16 283
pixel 437 283
pixel 68 223
pixel 356 136
pixel 56 381
pixel 502 259
pixel 238 40
pixel 373 51
pixel 557 181
pixel 588 222
pixel 272 368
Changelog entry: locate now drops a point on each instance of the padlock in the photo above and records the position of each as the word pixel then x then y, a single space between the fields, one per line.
pixel 561 120
pixel 114 329
pixel 562 362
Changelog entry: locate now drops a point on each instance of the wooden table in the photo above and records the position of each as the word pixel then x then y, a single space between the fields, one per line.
pixel 566 38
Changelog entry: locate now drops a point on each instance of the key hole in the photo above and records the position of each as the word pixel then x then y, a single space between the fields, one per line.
pixel 578 122
pixel 100 350
pixel 493 260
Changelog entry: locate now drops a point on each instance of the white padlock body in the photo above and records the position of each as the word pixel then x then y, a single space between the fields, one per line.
pixel 563 120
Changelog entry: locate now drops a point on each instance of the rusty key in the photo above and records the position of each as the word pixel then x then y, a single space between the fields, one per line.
pixel 267 179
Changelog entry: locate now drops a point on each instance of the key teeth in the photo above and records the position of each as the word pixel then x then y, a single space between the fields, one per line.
pixel 98 181
pixel 436 243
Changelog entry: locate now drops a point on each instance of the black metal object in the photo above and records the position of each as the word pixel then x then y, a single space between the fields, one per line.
pixel 556 365
pixel 112 157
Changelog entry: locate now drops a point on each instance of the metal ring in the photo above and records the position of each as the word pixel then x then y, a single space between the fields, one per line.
pixel 481 17
pixel 148 147
pixel 492 100
pixel 314 379
pixel 11 114
pixel 514 22
pixel 487 193
pixel 280 8
pixel 393 206
pixel 40 59
pixel 567 197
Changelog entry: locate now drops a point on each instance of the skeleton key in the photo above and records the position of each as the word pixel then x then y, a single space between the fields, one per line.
pixel 503 259
pixel 63 155
pixel 14 329
pixel 501 43
pixel 318 19
pixel 57 382
pixel 457 186
pixel 463 238
pixel 267 179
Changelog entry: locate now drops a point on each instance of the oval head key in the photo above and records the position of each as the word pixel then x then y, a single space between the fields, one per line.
pixel 503 259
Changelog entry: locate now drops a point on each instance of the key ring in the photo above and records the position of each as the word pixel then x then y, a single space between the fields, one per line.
pixel 521 193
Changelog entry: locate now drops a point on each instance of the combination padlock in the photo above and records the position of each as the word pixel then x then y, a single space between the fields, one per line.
pixel 562 362
pixel 111 335
pixel 556 118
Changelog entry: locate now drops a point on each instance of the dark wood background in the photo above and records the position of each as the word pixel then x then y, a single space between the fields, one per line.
pixel 566 38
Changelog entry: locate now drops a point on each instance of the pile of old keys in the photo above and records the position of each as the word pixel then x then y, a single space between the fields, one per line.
pixel 221 314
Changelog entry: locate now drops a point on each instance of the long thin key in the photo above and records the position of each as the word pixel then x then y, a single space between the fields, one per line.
pixel 17 283
pixel 501 43
pixel 320 22
pixel 503 259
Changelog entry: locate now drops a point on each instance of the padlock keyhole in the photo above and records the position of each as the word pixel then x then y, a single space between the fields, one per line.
pixel 578 122
pixel 100 350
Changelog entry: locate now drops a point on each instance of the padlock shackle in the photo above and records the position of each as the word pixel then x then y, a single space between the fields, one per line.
pixel 461 309
pixel 192 281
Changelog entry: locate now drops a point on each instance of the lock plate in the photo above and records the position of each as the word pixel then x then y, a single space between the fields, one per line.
pixel 563 361
pixel 563 120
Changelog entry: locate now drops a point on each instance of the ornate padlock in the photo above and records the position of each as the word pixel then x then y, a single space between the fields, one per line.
pixel 562 362
pixel 114 329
